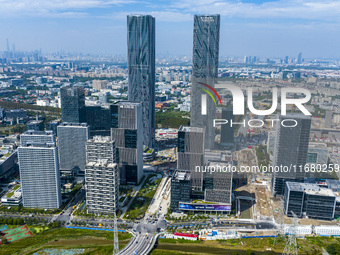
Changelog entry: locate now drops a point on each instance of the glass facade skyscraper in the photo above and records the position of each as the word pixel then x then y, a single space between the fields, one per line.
pixel 127 131
pixel 204 70
pixel 73 104
pixel 141 69
pixel 291 149
pixel 72 138
pixel 190 151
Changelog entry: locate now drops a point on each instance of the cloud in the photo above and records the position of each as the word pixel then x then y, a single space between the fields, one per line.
pixel 297 9
pixel 178 10
pixel 55 8
pixel 165 16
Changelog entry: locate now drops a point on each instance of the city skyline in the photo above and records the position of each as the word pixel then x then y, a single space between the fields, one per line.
pixel 264 28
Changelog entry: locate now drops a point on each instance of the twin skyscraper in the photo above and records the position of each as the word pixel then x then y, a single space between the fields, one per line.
pixel 141 69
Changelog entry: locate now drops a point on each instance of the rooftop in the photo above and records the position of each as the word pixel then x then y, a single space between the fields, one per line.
pixel 182 176
pixel 33 132
pixel 191 129
pixel 72 124
pixel 310 188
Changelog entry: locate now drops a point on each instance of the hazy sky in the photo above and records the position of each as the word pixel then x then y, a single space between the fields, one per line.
pixel 248 27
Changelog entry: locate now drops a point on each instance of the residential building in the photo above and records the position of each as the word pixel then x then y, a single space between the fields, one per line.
pixel 101 148
pixel 102 187
pixel 99 84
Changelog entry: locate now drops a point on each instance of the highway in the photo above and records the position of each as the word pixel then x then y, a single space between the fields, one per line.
pixel 147 229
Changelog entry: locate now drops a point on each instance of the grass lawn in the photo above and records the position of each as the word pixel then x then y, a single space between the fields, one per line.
pixel 309 245
pixel 143 199
pixel 95 242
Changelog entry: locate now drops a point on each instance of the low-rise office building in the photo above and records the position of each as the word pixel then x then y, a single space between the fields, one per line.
pixel 310 200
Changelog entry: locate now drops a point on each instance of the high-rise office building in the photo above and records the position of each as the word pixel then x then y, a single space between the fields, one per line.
pixel 72 138
pixel 39 172
pixel 102 187
pixel 73 104
pixel 227 131
pixel 291 149
pixel 204 70
pixel 101 148
pixel 218 183
pixel 141 69
pixel 127 131
pixel 99 120
pixel 190 153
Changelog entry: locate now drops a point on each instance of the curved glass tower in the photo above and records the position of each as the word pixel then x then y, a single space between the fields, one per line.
pixel 204 70
pixel 141 68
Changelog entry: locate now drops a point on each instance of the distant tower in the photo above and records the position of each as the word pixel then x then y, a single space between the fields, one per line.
pixel 299 60
pixel 204 70
pixel 286 60
pixel 141 69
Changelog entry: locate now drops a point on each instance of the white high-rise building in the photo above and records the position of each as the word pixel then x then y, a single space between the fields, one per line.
pixel 39 174
pixel 100 148
pixel 72 138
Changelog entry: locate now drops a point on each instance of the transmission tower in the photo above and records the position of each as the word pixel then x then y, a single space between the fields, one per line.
pixel 116 241
pixel 281 231
pixel 291 244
